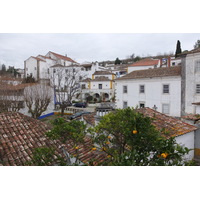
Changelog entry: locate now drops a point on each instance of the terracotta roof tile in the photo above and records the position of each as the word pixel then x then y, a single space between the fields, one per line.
pixel 19 135
pixel 173 126
pixel 145 62
pixel 63 57
pixel 150 73
pixel 39 59
pixel 101 78
pixel 102 73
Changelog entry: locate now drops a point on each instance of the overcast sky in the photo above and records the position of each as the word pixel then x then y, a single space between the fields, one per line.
pixel 82 47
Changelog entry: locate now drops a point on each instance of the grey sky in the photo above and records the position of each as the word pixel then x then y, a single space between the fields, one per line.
pixel 17 47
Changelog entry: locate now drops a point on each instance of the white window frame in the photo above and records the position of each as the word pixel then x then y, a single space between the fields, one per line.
pixel 163 109
pixel 198 88
pixel 124 107
pixel 125 91
pixel 142 92
pixel 168 89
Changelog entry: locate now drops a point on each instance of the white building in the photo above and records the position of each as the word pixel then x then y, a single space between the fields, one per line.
pixel 191 82
pixel 184 133
pixel 101 86
pixel 39 67
pixel 158 88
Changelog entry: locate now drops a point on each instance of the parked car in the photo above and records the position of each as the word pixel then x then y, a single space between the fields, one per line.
pixel 81 105
pixel 78 114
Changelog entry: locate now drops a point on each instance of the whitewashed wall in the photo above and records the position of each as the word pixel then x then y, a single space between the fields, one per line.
pixel 153 93
pixel 130 69
pixel 187 140
pixel 31 67
pixel 192 79
pixel 95 84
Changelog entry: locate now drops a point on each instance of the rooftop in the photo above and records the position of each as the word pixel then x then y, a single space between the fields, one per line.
pixel 102 73
pixel 150 73
pixel 173 126
pixel 63 57
pixel 101 78
pixel 20 134
pixel 145 62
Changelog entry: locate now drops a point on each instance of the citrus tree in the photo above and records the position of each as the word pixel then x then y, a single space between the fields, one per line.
pixel 129 138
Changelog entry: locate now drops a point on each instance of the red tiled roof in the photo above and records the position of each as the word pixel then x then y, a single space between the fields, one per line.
pixel 86 80
pixel 197 50
pixel 145 62
pixel 90 118
pixel 38 59
pixel 150 73
pixel 63 57
pixel 101 78
pixel 19 135
pixel 173 126
pixel 102 73
pixel 46 57
pixel 86 154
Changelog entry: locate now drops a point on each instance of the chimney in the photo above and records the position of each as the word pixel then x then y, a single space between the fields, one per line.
pixel 160 62
pixel 169 61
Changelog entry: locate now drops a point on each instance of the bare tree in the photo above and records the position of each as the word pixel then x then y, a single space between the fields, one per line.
pixel 11 97
pixel 37 98
pixel 66 84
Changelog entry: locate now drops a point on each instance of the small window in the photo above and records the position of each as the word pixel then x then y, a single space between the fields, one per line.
pixel 82 69
pixel 54 70
pixel 80 78
pixel 47 71
pixel 100 86
pixel 142 105
pixel 197 66
pixel 173 63
pixel 165 108
pixel 141 88
pixel 83 86
pixel 125 104
pixel 66 71
pixel 73 77
pixel 198 88
pixel 66 78
pixel 74 70
pixel 125 89
pixel 35 68
pixel 165 89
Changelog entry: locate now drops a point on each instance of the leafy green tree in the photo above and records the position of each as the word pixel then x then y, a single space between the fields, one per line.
pixel 129 138
pixel 45 156
pixel 197 44
pixel 137 58
pixel 117 61
pixel 73 132
pixel 178 49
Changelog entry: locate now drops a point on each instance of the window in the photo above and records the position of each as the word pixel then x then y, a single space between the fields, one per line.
pixel 80 78
pixel 165 89
pixel 74 70
pixel 47 71
pixel 125 104
pixel 141 104
pixel 197 66
pixel 73 77
pixel 66 71
pixel 125 89
pixel 54 70
pixel 173 63
pixel 165 108
pixel 66 78
pixel 141 88
pixel 198 88
pixel 100 86
pixel 83 86
pixel 64 63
